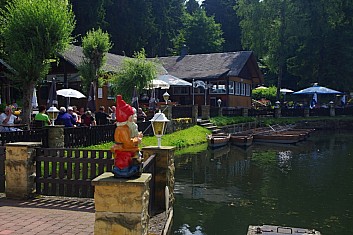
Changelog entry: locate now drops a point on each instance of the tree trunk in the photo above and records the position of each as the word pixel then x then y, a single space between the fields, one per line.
pixel 27 103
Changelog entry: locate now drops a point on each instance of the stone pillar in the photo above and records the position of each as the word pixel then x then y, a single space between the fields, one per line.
pixel 306 112
pixel 332 111
pixel 245 112
pixel 205 109
pixel 121 205
pixel 20 169
pixel 195 113
pixel 220 111
pixel 165 170
pixel 278 112
pixel 56 136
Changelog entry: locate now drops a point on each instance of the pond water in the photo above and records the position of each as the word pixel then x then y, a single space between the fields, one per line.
pixel 308 185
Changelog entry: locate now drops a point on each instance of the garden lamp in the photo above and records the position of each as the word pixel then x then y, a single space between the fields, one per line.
pixel 219 102
pixel 166 97
pixel 53 114
pixel 159 124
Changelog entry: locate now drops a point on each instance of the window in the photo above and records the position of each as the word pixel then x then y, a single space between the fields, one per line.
pixel 237 88
pixel 180 90
pixel 218 87
pixel 242 92
pixel 248 92
pixel 231 87
pixel 110 92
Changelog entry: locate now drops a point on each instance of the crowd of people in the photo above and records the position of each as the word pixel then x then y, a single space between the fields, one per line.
pixel 72 117
pixel 69 117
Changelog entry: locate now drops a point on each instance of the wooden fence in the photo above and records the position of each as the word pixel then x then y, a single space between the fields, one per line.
pixel 2 169
pixel 87 136
pixel 69 172
pixel 35 135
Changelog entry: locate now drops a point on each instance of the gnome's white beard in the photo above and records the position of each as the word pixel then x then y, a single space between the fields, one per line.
pixel 133 129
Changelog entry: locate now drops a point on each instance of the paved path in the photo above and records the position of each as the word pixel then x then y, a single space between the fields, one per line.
pixel 47 215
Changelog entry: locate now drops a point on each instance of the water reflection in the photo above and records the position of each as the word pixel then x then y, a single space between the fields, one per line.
pixel 307 185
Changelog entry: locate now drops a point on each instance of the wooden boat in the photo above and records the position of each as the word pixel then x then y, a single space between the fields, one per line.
pixel 217 140
pixel 273 230
pixel 241 140
pixel 277 137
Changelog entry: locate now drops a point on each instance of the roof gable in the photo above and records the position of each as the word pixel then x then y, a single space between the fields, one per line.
pixel 74 55
pixel 209 66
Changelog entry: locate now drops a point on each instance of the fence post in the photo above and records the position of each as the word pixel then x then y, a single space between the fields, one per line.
pixel 332 110
pixel 205 109
pixel 20 169
pixel 165 170
pixel 195 113
pixel 56 136
pixel 277 112
pixel 306 112
pixel 121 205
pixel 245 112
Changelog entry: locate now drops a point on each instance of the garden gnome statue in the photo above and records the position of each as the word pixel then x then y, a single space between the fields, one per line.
pixel 127 138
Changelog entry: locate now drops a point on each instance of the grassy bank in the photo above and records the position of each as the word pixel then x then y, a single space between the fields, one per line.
pixel 181 139
pixel 194 138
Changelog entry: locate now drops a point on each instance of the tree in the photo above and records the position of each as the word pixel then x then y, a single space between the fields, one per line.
pixel 33 32
pixel 95 46
pixel 135 72
pixel 192 6
pixel 265 30
pixel 225 15
pixel 200 33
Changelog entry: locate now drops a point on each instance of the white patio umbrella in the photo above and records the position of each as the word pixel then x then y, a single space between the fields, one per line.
pixel 173 81
pixel 285 90
pixel 70 93
pixel 157 83
pixel 261 87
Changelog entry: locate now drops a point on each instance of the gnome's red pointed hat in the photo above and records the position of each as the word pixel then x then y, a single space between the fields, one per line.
pixel 123 110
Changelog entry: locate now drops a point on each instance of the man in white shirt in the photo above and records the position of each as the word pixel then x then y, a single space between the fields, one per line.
pixel 7 118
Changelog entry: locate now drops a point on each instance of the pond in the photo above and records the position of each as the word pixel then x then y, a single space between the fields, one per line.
pixel 308 185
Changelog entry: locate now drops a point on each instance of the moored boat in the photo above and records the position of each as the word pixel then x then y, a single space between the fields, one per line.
pixel 276 137
pixel 273 230
pixel 217 140
pixel 241 140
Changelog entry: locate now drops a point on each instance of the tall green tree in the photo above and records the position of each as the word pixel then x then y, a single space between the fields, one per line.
pixel 266 29
pixel 89 14
pixel 33 32
pixel 200 33
pixel 325 51
pixel 95 46
pixel 167 15
pixel 131 24
pixel 135 72
pixel 225 15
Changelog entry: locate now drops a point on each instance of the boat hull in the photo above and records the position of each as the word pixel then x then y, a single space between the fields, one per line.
pixel 216 141
pixel 241 140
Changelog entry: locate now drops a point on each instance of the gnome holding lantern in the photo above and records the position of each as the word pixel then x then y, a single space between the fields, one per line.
pixel 126 148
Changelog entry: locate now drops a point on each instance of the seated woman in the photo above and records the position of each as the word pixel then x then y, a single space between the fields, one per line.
pixel 42 116
pixel 65 118
pixel 87 119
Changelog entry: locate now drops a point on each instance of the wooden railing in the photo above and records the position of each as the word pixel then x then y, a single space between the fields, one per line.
pixel 69 172
pixel 35 135
pixel 87 136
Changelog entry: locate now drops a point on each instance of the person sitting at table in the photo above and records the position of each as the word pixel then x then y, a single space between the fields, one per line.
pixel 102 118
pixel 42 116
pixel 65 118
pixel 87 119
pixel 7 119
